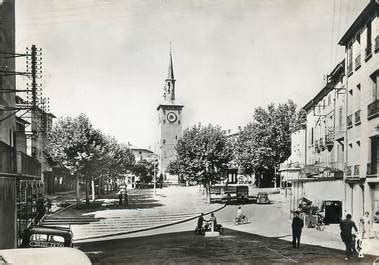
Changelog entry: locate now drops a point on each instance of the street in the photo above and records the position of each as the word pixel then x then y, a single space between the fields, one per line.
pixel 187 247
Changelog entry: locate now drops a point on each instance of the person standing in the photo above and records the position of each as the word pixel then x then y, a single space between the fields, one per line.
pixel 200 222
pixel 297 226
pixel 366 226
pixel 346 227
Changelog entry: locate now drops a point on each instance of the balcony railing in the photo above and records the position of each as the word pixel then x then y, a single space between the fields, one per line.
pixel 349 121
pixel 27 165
pixel 356 170
pixel 358 61
pixel 329 137
pixel 357 116
pixel 373 168
pixel 7 158
pixel 373 110
pixel 348 171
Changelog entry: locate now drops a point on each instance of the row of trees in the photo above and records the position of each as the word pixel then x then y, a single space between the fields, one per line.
pixel 77 150
pixel 204 153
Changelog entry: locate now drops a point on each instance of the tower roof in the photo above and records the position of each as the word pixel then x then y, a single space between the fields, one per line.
pixel 170 67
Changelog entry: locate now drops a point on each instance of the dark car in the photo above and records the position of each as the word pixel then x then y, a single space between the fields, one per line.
pixel 47 236
pixel 262 198
pixel 242 193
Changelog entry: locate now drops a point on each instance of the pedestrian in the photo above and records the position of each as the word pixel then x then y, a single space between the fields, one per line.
pixel 297 226
pixel 120 198
pixel 366 226
pixel 126 198
pixel 213 221
pixel 200 222
pixel 346 227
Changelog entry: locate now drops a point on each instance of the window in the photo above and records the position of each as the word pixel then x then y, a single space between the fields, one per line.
pixel 349 58
pixel 359 87
pixel 329 99
pixel 164 141
pixel 323 104
pixel 369 36
pixel 340 116
pixel 179 122
pixel 312 136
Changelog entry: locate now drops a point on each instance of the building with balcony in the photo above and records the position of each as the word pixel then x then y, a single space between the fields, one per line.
pixel 361 42
pixel 315 168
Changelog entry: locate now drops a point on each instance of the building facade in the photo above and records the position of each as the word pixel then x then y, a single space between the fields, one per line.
pixel 314 171
pixel 361 43
pixel 169 125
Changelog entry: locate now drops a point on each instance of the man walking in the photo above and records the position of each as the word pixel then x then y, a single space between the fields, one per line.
pixel 297 226
pixel 346 235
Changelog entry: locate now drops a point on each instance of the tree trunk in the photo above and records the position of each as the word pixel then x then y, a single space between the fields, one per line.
pixel 77 190
pixel 93 189
pixel 87 196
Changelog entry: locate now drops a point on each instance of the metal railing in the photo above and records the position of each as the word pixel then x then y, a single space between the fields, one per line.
pixel 373 109
pixel 357 116
pixel 357 61
pixel 329 136
pixel 28 165
pixel 7 158
pixel 349 121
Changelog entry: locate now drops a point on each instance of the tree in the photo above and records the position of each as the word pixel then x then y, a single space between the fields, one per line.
pixel 203 154
pixel 144 170
pixel 74 145
pixel 266 142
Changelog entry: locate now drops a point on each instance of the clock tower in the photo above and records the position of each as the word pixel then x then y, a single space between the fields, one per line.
pixel 169 125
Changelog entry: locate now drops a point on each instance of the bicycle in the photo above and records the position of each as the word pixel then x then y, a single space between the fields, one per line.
pixel 240 220
pixel 320 224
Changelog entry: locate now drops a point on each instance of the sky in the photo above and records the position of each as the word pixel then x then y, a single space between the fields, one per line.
pixel 109 58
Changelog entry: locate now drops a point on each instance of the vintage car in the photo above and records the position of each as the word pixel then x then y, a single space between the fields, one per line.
pixel 242 193
pixel 262 198
pixel 32 256
pixel 47 236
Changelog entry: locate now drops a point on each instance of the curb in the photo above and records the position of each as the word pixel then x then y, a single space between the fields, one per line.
pixel 148 228
pixel 61 210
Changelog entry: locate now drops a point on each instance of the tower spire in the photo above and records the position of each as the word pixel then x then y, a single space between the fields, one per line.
pixel 170 67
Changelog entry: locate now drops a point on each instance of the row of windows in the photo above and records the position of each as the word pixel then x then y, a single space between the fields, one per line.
pixel 164 140
pixel 368 49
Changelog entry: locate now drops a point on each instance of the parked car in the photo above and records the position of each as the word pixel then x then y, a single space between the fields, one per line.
pixel 376 217
pixel 262 198
pixel 47 236
pixel 56 256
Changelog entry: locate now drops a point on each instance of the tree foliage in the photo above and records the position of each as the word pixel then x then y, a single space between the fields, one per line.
pixel 203 155
pixel 265 142
pixel 144 170
pixel 85 152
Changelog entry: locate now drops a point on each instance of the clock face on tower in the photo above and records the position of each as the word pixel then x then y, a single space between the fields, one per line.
pixel 171 117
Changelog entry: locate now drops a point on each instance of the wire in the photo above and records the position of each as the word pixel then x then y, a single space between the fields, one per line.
pixel 121 17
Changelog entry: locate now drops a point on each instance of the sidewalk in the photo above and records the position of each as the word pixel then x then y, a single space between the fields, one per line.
pixel 274 221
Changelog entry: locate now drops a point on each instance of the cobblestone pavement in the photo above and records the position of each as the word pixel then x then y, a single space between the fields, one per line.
pixel 232 247
pixel 144 211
